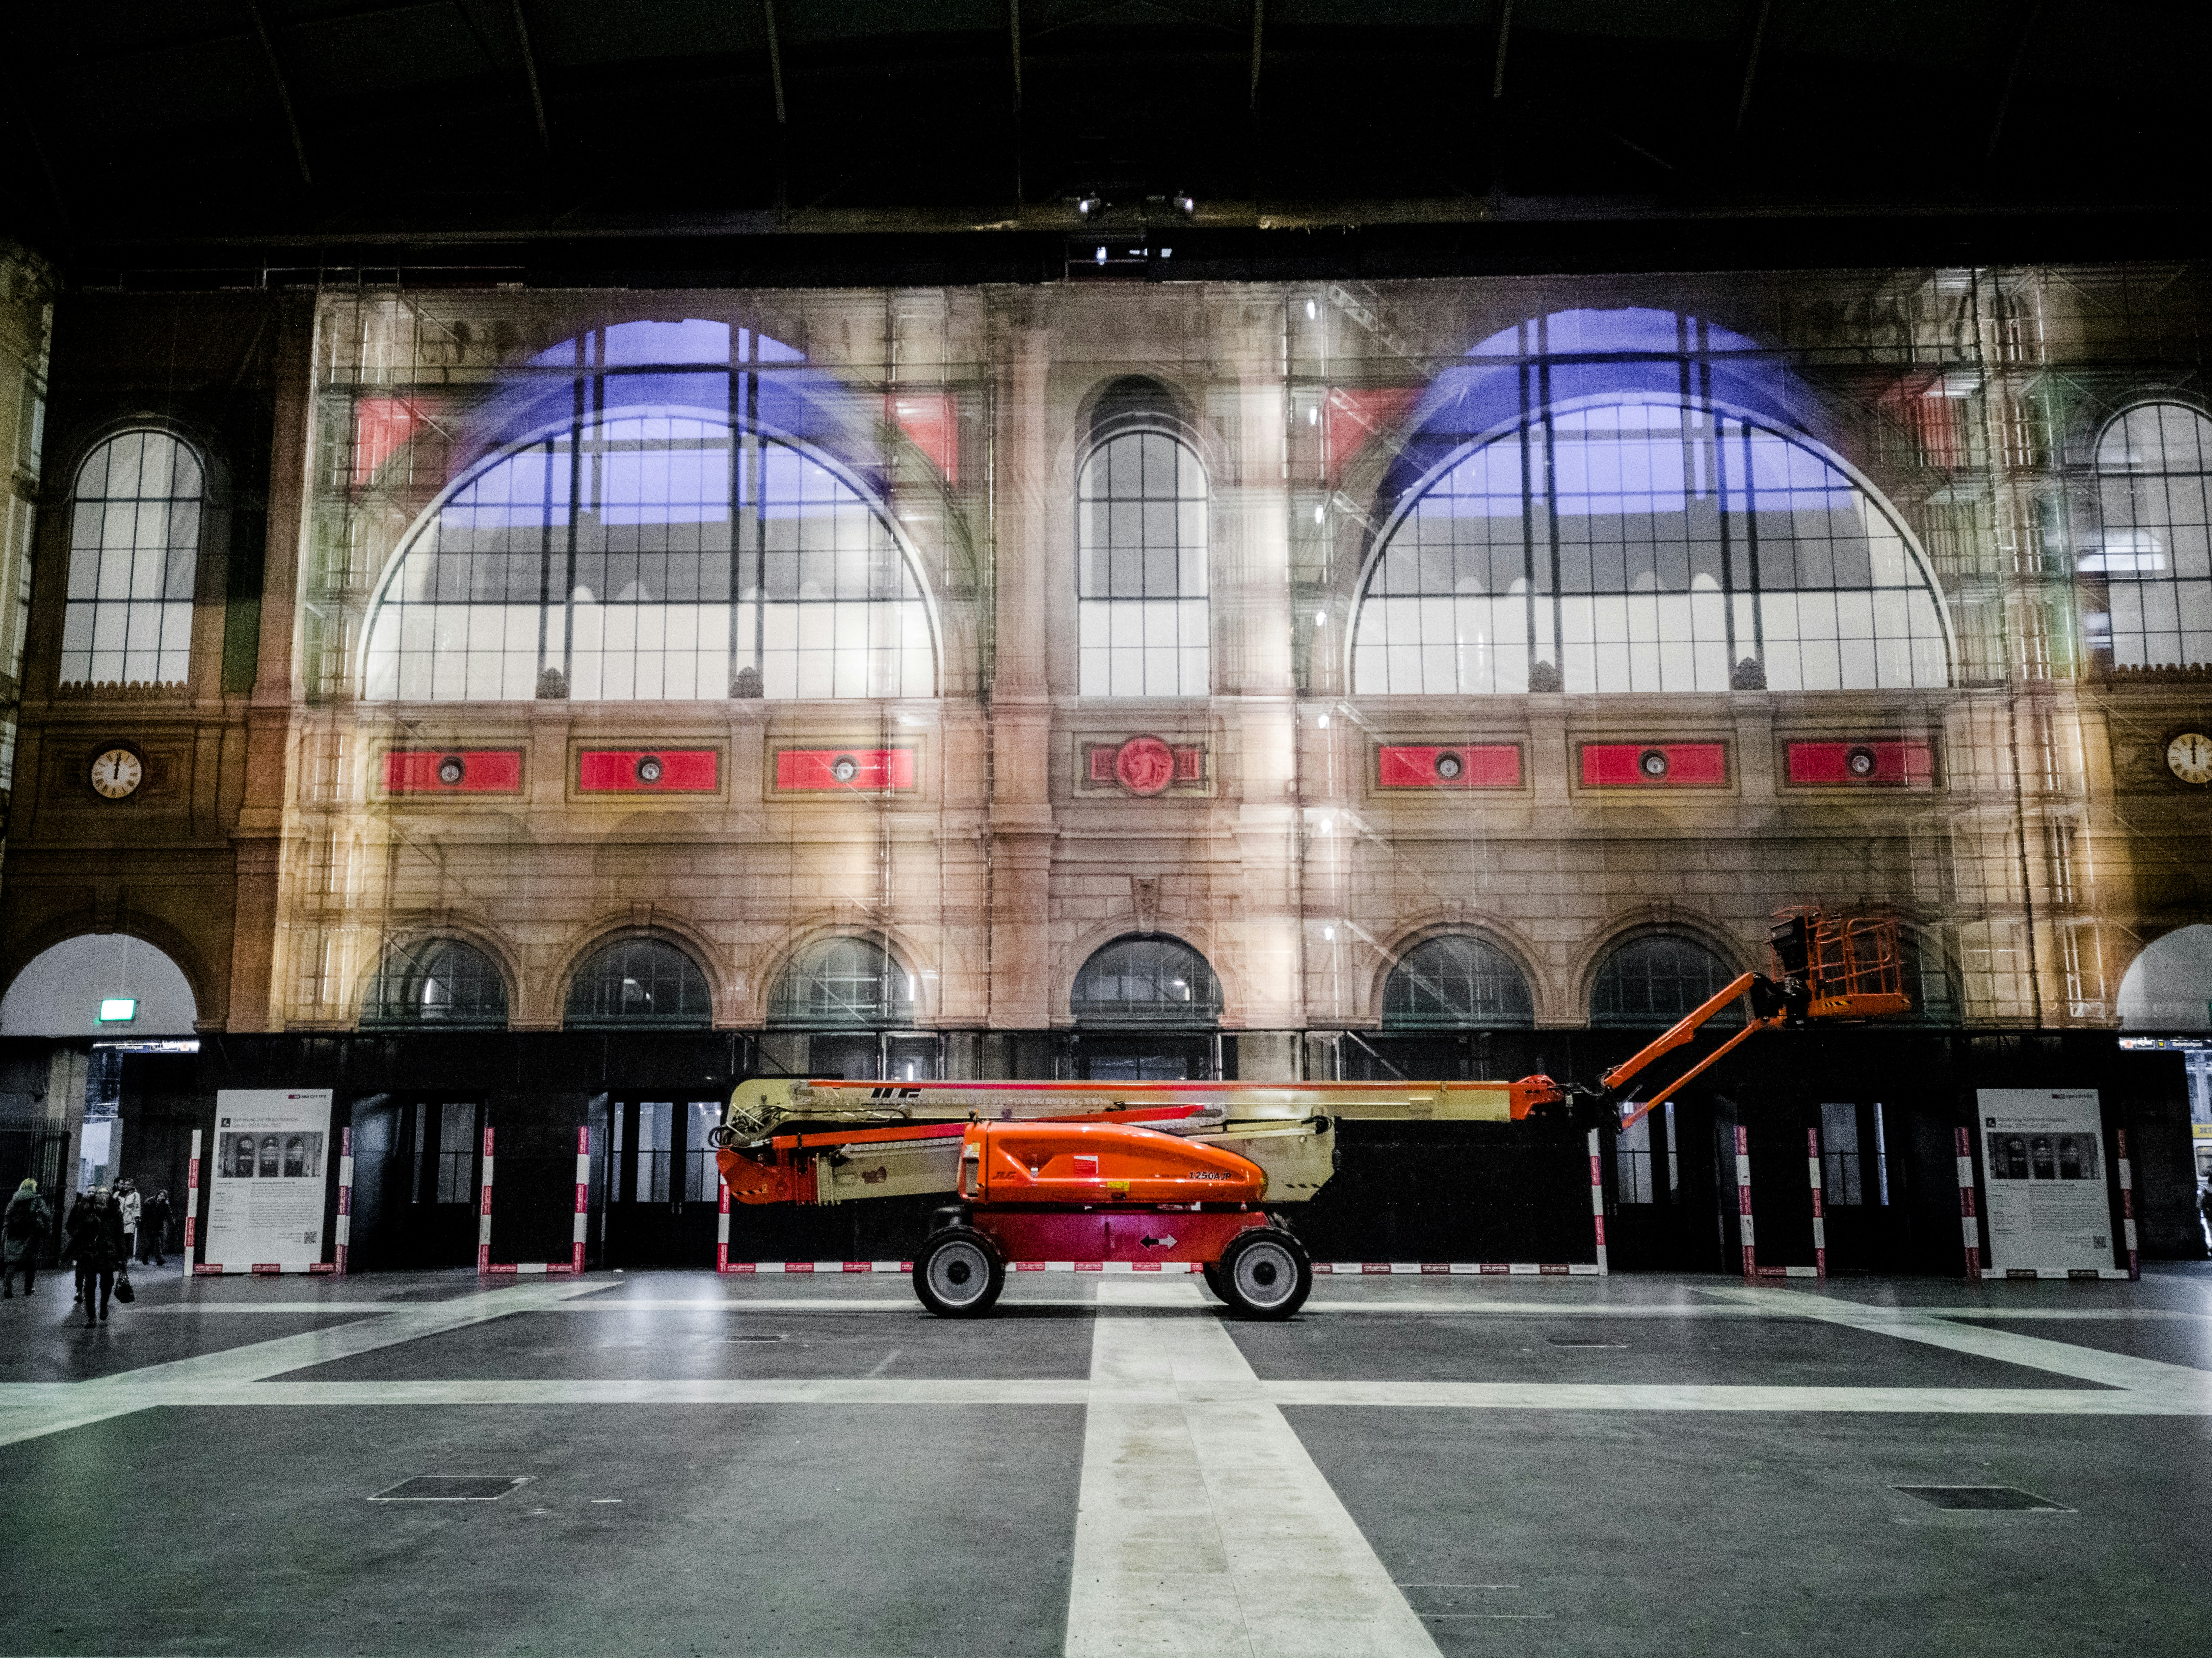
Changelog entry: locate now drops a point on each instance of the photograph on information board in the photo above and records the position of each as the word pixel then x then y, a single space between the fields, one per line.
pixel 265 1200
pixel 2050 1210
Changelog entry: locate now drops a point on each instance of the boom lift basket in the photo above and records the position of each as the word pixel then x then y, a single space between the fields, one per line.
pixel 1850 964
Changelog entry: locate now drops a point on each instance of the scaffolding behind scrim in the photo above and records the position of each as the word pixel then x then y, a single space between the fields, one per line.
pixel 1849 960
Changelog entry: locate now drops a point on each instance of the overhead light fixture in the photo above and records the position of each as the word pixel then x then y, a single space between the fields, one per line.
pixel 119 1010
pixel 1101 255
pixel 1310 310
pixel 1184 202
pixel 1087 205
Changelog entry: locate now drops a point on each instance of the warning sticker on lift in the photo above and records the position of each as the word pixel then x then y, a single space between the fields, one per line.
pixel 2050 1202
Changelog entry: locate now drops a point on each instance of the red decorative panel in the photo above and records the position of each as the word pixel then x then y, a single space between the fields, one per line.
pixel 453 771
pixel 1146 765
pixel 1887 763
pixel 1351 418
pixel 844 769
pixel 648 771
pixel 1458 766
pixel 1655 765
pixel 930 420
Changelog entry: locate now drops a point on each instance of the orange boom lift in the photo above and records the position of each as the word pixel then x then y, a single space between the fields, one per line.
pixel 1196 1172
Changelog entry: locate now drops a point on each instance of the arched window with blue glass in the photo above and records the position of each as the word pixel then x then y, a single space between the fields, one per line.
pixel 670 522
pixel 1622 501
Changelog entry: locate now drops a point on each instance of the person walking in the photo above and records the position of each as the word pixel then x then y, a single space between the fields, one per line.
pixel 132 1206
pixel 103 1252
pixel 154 1230
pixel 72 1231
pixel 23 1235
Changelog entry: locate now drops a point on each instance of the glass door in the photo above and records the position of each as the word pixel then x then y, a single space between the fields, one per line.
pixel 664 1189
pixel 444 1142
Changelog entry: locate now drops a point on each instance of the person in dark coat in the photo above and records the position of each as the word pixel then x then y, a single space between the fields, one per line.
pixel 103 1251
pixel 23 1235
pixel 154 1231
pixel 73 1230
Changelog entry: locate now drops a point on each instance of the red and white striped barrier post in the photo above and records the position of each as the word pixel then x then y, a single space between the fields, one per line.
pixel 343 1247
pixel 191 1205
pixel 1970 1224
pixel 1597 1201
pixel 2127 1206
pixel 1743 1200
pixel 583 1197
pixel 721 1223
pixel 483 1212
pixel 1819 1209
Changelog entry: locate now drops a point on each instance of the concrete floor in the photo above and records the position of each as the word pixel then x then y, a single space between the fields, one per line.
pixel 814 1465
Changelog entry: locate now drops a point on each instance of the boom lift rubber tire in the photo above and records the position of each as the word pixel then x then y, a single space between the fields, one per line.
pixel 1216 1283
pixel 1266 1274
pixel 958 1272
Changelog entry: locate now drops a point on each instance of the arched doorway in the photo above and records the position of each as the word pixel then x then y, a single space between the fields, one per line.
pixel 1147 1007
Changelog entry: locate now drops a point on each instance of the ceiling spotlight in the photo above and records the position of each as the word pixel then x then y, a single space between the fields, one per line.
pixel 1184 202
pixel 1087 205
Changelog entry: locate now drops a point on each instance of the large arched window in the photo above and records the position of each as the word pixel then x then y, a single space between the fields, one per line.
pixel 1146 979
pixel 639 984
pixel 2153 565
pixel 651 556
pixel 2169 986
pixel 436 981
pixel 843 984
pixel 1654 980
pixel 1641 545
pixel 1141 510
pixel 134 555
pixel 1453 982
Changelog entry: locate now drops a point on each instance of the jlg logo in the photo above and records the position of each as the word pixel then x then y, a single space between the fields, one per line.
pixel 895 1093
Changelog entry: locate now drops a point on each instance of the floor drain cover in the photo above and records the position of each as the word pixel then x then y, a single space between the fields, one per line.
pixel 1561 1341
pixel 452 1488
pixel 756 1337
pixel 1982 1496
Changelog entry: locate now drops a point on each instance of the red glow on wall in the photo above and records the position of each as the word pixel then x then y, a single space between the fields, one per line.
pixel 648 771
pixel 844 769
pixel 1460 765
pixel 1655 765
pixel 1350 419
pixel 929 419
pixel 1887 764
pixel 453 771
pixel 380 427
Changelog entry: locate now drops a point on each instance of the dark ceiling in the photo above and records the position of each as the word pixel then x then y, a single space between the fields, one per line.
pixel 956 137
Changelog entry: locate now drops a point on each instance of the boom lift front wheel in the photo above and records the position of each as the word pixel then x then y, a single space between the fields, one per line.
pixel 958 1272
pixel 1264 1273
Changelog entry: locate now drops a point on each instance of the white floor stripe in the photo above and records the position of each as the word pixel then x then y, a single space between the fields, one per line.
pixel 1206 1529
pixel 28 1412
pixel 2033 1352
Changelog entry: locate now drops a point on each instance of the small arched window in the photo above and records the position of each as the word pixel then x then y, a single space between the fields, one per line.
pixel 1454 982
pixel 1141 511
pixel 2153 564
pixel 436 981
pixel 1654 980
pixel 843 984
pixel 134 555
pixel 1146 979
pixel 640 983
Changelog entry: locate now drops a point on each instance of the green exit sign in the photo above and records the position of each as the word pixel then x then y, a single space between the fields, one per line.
pixel 119 1010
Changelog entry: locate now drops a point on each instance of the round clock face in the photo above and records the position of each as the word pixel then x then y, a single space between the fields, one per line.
pixel 1448 766
pixel 2189 756
pixel 117 775
pixel 649 769
pixel 1652 763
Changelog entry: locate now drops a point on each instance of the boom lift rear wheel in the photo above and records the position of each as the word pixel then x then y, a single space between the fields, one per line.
pixel 1266 1274
pixel 958 1272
